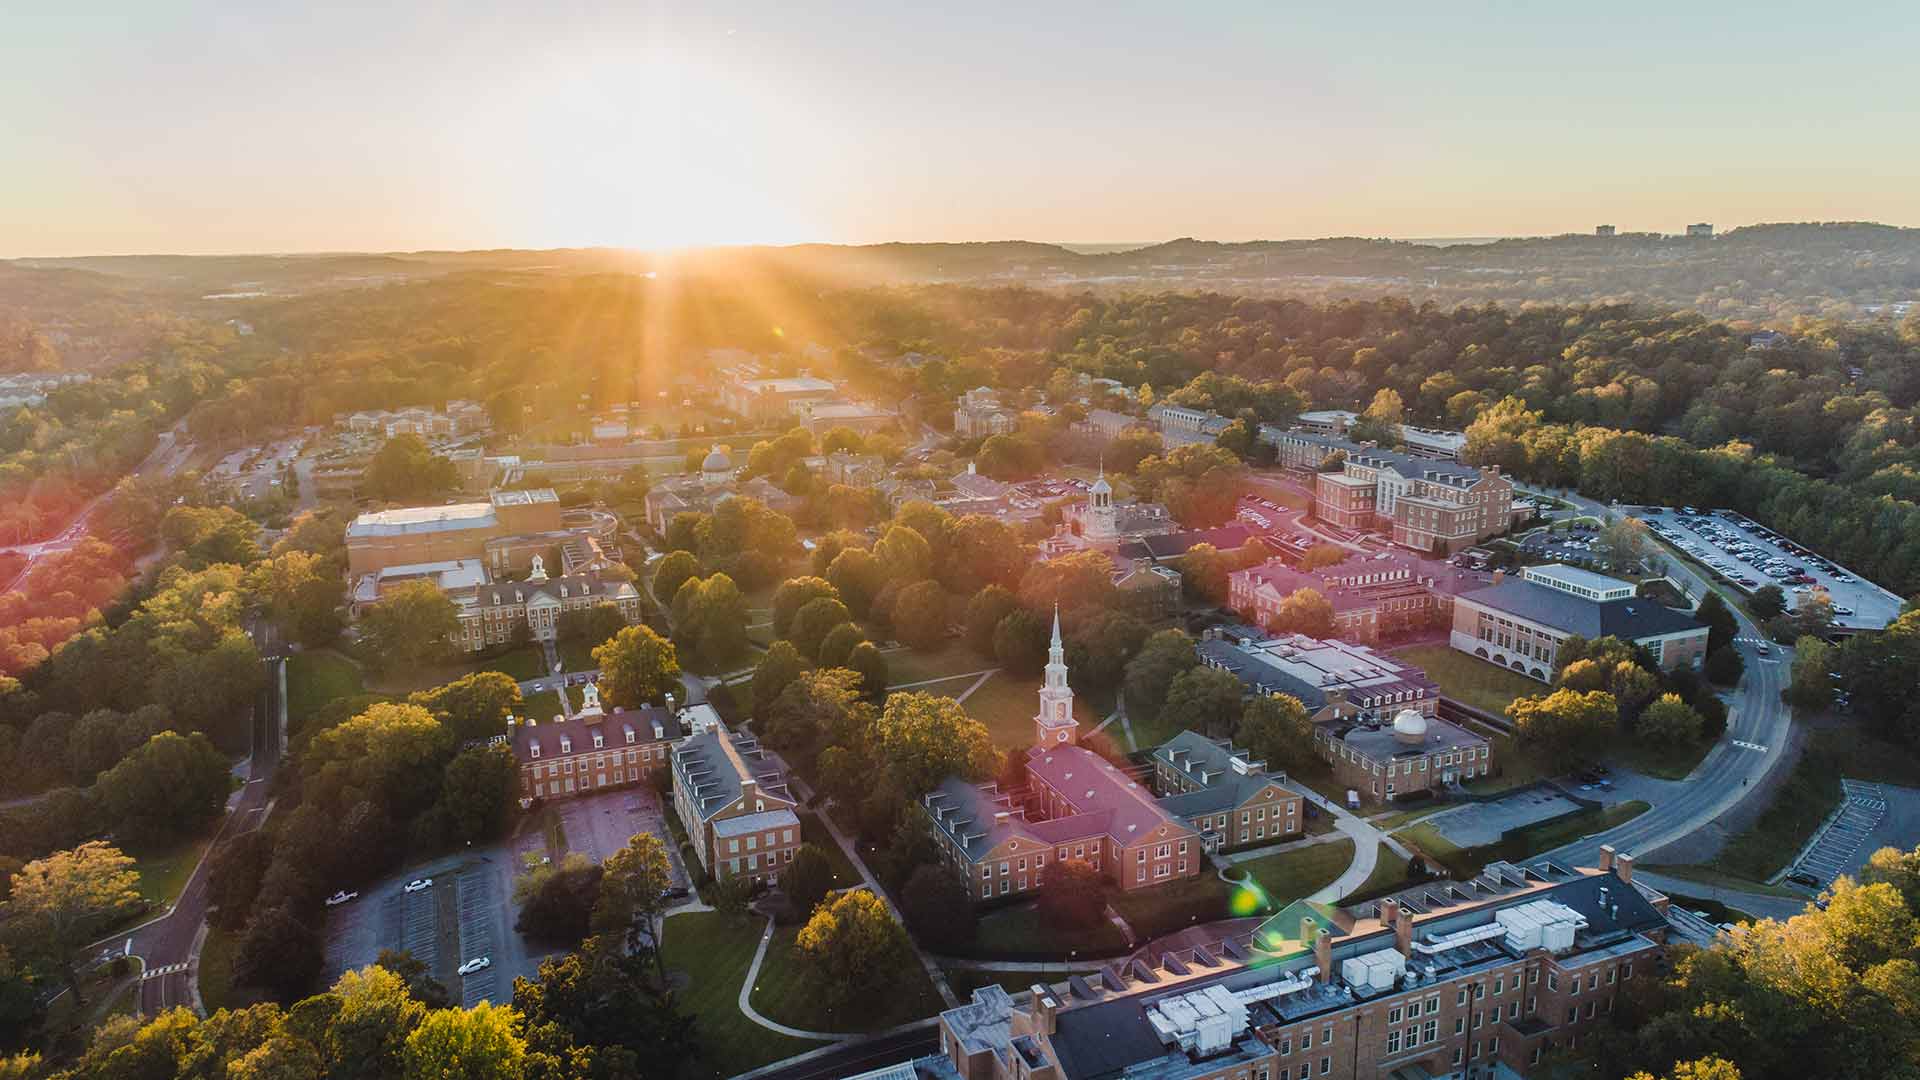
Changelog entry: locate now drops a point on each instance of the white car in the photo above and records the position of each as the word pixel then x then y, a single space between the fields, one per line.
pixel 417 884
pixel 341 897
pixel 478 963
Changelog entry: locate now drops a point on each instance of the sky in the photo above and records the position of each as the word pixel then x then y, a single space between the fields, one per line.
pixel 190 127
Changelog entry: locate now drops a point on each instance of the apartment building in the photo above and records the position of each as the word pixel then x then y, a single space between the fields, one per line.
pixel 1372 596
pixel 1224 793
pixel 458 418
pixel 420 534
pixel 592 749
pixel 1469 980
pixel 734 803
pixel 1520 623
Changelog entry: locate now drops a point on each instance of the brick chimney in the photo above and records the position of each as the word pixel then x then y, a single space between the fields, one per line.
pixel 1323 954
pixel 1606 857
pixel 1402 922
pixel 1045 1008
pixel 1623 865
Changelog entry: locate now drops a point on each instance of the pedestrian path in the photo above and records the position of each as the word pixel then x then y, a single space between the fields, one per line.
pixel 161 972
pixel 746 999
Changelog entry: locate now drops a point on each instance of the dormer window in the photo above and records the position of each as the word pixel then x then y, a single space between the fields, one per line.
pixel 599 741
pixel 533 749
pixel 629 736
pixel 566 745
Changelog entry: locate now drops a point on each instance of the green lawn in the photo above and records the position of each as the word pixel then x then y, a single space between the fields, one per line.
pixel 1292 875
pixel 164 870
pixel 315 678
pixel 1007 706
pixel 714 953
pixel 1551 835
pixel 1665 763
pixel 1709 876
pixel 1521 845
pixel 1164 909
pixel 216 972
pixel 1469 679
pixel 1019 932
pixel 814 831
pixel 1714 910
pixel 541 707
pixel 1389 873
pixel 784 994
pixel 952 658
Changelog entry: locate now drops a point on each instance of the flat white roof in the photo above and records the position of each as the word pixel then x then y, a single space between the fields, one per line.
pixel 422 519
pixel 767 819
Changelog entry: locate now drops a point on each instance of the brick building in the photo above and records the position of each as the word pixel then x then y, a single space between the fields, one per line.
pixel 1412 756
pixel 1334 679
pixel 1467 980
pixel 592 749
pixel 1519 623
pixel 1424 500
pixel 1371 596
pixel 424 534
pixel 979 413
pixel 1230 798
pixel 734 803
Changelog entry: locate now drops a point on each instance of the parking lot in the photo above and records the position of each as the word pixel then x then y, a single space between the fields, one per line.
pixel 466 914
pixel 1483 822
pixel 1747 556
pixel 1573 547
pixel 1871 816
pixel 600 824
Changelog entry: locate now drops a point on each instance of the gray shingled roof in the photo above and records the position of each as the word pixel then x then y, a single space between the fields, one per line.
pixel 1629 619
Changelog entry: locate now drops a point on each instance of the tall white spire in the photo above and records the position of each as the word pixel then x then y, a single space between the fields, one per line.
pixel 1054 724
pixel 1056 624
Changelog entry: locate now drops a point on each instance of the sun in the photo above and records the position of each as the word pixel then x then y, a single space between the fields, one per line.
pixel 649 150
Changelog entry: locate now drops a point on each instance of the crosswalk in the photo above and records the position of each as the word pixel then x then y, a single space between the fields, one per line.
pixel 1745 745
pixel 161 972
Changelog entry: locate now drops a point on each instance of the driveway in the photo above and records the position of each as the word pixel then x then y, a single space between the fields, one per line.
pixel 1477 823
pixel 602 823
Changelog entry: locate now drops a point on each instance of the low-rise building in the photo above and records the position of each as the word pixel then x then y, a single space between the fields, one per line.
pixel 1230 798
pixel 458 418
pixel 1372 596
pixel 980 413
pixel 735 804
pixel 421 534
pixel 1180 425
pixel 1333 679
pixel 820 417
pixel 1421 497
pixel 1520 623
pixel 592 749
pixel 1413 756
pixel 1106 425
pixel 499 613
pixel 751 395
pixel 1476 980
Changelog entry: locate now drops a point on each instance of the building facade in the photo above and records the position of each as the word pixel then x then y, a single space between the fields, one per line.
pixel 1227 796
pixel 1422 498
pixel 1414 756
pixel 593 749
pixel 1372 597
pixel 1470 981
pixel 423 534
pixel 1180 425
pixel 979 413
pixel 1520 623
pixel 735 804
pixel 501 612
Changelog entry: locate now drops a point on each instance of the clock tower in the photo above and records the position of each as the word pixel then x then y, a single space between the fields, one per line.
pixel 1055 725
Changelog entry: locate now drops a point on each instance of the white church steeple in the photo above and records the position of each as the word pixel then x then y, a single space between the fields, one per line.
pixel 1054 725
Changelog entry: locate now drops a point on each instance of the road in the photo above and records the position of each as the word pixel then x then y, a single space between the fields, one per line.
pixel 169 944
pixel 1758 725
pixel 169 454
pixel 856 1057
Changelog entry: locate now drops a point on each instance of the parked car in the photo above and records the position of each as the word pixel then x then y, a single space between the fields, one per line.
pixel 341 897
pixel 418 884
pixel 1801 877
pixel 478 963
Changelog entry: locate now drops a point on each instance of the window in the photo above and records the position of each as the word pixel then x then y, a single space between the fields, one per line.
pixel 1499 985
pixel 1003 867
pixel 1536 1055
pixel 1326 1035
pixel 1612 974
pixel 1433 1004
pixel 1003 886
pixel 1456 1055
pixel 1431 1031
pixel 1573 1013
pixel 733 846
pixel 1393 1042
pixel 1593 980
pixel 1459 1025
pixel 986 872
pixel 1286 1046
pixel 1326 1065
pixel 1393 1016
pixel 1590 1004
pixel 1462 998
pixel 1476 1020
pixel 1306 1039
pixel 1553 981
pixel 1476 1050
pixel 1532 1003
pixel 1513 1009
pixel 1493 1046
pixel 1626 972
pixel 986 891
pixel 1021 865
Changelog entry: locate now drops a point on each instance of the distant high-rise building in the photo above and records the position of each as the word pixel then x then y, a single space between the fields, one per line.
pixel 1701 229
pixel 1603 230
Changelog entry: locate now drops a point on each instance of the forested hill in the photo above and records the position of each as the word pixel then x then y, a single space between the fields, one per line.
pixel 92 312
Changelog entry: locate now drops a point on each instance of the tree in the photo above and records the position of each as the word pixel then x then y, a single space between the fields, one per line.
pixel 1020 641
pixel 984 612
pixel 1100 646
pixel 1707 1068
pixel 234 876
pixel 1150 674
pixel 405 469
pixel 593 625
pixel 1624 543
pixel 858 576
pixel 925 739
pixel 1072 895
pixel 637 666
pixel 58 902
pixel 673 571
pixel 603 1013
pixel 1813 615
pixel 1721 624
pixel 1381 421
pixel 794 594
pixel 301 591
pixel 1566 727
pixel 1669 721
pixel 904 555
pixel 557 902
pixel 1899 869
pixel 935 904
pixel 920 615
pixel 1812 686
pixel 412 626
pixel 837 647
pixel 814 621
pixel 1725 666
pixel 850 946
pixel 413 973
pixel 481 784
pixel 170 786
pixel 473 706
pixel 870 664
pixel 480 1043
pixel 1203 699
pixel 1305 611
pixel 1277 729
pixel 1203 573
pixel 391 752
pixel 984 551
pixel 633 896
pixel 279 954
pixel 1321 556
pixel 777 670
pixel 1767 601
pixel 807 879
